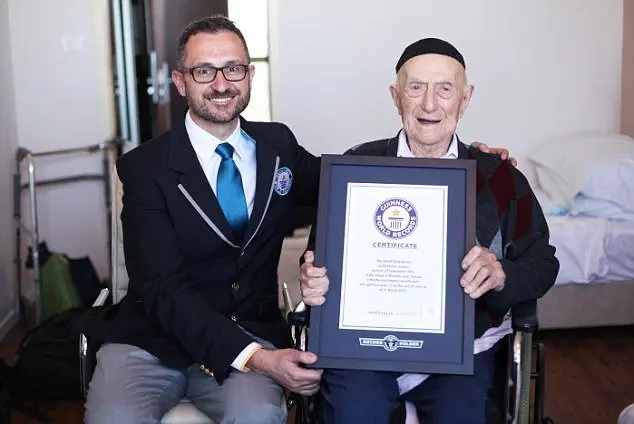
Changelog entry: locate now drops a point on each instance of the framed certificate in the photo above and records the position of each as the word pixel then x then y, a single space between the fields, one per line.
pixel 392 233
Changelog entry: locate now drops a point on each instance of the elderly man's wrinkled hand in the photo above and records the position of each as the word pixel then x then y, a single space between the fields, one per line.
pixel 499 151
pixel 483 272
pixel 313 281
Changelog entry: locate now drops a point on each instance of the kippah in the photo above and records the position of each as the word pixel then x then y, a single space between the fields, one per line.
pixel 429 46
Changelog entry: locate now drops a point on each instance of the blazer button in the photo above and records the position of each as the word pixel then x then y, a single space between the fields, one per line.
pixel 235 286
pixel 206 370
pixel 233 318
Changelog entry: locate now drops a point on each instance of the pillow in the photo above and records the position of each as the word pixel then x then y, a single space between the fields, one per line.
pixel 612 182
pixel 599 165
pixel 599 208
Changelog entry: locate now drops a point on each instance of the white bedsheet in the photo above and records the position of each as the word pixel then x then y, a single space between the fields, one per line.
pixel 592 249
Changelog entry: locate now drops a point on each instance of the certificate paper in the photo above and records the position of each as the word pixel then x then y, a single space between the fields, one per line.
pixel 393 276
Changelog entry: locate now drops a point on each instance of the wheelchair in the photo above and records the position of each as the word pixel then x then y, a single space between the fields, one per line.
pixel 509 401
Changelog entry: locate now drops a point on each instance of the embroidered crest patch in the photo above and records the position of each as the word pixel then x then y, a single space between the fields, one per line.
pixel 283 181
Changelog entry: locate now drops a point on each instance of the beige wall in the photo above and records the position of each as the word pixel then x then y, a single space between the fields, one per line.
pixel 8 143
pixel 56 60
pixel 627 111
pixel 529 97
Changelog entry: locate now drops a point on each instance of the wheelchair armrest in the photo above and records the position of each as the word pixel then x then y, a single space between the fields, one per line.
pixel 298 318
pixel 524 316
pixel 85 363
pixel 101 299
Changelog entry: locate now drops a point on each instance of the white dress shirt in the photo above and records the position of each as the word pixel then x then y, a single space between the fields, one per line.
pixel 406 382
pixel 244 156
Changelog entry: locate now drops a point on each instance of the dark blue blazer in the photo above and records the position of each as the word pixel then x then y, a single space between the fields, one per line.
pixel 191 282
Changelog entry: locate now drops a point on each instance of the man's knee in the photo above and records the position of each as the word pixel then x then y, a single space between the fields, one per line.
pixel 117 413
pixel 130 386
pixel 254 413
pixel 106 404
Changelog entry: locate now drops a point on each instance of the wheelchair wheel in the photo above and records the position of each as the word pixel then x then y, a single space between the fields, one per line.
pixel 548 420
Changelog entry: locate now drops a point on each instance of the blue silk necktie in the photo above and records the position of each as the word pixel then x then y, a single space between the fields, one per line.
pixel 230 192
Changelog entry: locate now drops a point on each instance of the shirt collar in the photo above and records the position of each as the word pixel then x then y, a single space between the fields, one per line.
pixel 405 152
pixel 205 144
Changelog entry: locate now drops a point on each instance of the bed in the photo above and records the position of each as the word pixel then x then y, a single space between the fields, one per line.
pixel 585 185
pixel 595 285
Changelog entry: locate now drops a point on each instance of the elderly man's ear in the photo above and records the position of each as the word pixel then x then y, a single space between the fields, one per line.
pixel 501 152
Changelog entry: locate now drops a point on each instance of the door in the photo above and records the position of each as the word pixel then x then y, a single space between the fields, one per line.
pixel 145 38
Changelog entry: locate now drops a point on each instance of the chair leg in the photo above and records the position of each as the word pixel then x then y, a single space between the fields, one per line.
pixel 539 376
pixel 308 410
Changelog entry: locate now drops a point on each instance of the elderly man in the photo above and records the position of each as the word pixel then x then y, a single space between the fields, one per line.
pixel 512 262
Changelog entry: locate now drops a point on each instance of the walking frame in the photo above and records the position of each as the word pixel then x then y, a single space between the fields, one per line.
pixel 109 150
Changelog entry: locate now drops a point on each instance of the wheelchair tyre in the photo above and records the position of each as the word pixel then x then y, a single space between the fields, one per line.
pixel 548 420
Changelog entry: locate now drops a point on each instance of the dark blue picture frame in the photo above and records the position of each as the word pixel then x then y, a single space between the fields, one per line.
pixel 450 352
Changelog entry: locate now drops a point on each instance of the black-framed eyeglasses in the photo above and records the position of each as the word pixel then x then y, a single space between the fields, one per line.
pixel 206 74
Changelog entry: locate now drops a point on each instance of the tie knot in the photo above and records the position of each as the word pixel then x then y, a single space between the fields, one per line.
pixel 225 150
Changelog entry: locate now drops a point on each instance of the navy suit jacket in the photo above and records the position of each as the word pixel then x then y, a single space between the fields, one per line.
pixel 191 283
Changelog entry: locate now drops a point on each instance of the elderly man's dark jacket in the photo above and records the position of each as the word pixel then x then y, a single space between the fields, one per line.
pixel 509 221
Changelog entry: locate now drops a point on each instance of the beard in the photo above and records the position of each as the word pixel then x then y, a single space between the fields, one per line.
pixel 214 113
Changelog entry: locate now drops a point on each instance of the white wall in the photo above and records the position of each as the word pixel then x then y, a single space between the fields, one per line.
pixel 540 68
pixel 627 112
pixel 60 62
pixel 8 143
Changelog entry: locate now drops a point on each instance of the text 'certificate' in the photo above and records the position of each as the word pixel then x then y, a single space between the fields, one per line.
pixel 393 276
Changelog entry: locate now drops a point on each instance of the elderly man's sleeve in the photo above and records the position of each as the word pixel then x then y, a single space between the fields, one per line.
pixel 529 263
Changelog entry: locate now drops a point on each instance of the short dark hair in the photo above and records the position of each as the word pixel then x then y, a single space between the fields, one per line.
pixel 208 25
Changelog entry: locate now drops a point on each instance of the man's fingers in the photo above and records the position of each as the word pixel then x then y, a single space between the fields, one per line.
pixel 301 376
pixel 309 391
pixel 309 257
pixel 481 146
pixel 486 286
pixel 313 291
pixel 314 300
pixel 307 388
pixel 513 161
pixel 473 254
pixel 474 268
pixel 473 285
pixel 312 271
pixel 304 357
pixel 317 283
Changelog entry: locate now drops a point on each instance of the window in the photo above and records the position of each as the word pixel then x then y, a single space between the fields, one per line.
pixel 251 16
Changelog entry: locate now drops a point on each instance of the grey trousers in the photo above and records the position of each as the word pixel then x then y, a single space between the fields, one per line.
pixel 131 386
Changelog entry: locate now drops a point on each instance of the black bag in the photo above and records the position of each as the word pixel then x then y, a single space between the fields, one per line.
pixel 5 407
pixel 47 364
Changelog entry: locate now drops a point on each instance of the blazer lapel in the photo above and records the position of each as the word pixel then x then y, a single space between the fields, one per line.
pixel 267 165
pixel 194 186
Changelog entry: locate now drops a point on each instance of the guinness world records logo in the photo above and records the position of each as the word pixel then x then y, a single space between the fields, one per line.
pixel 395 218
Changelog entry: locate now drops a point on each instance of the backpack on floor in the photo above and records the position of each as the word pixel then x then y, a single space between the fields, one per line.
pixel 47 364
pixel 5 407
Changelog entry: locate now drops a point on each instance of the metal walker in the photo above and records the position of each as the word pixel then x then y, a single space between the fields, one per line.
pixel 108 149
